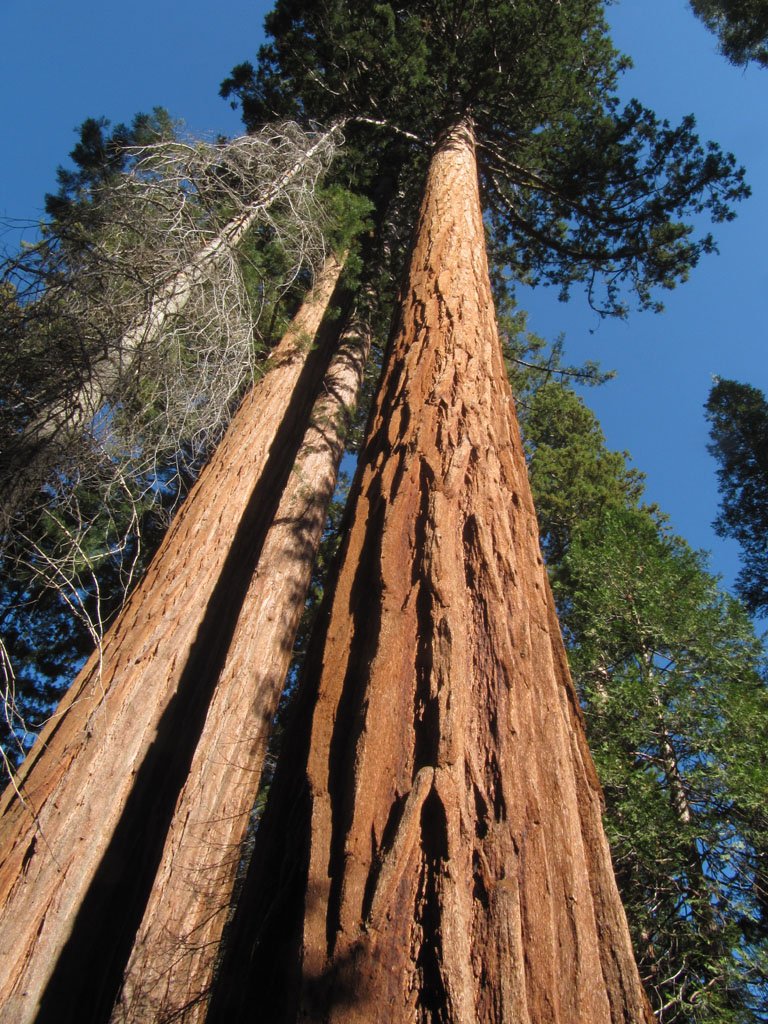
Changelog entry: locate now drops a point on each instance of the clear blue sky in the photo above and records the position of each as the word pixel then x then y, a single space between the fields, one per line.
pixel 65 62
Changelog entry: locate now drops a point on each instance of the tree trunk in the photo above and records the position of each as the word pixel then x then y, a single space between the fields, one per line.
pixel 83 824
pixel 433 847
pixel 169 974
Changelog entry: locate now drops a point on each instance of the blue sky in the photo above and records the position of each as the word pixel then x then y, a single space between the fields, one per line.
pixel 87 58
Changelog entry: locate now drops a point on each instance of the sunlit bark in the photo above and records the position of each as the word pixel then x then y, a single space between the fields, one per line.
pixel 83 825
pixel 170 970
pixel 433 847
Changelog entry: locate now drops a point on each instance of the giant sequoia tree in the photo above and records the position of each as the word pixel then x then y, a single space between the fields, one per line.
pixel 431 797
pixel 447 860
pixel 84 821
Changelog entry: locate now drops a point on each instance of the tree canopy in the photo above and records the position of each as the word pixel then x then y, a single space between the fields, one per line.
pixel 740 25
pixel 577 189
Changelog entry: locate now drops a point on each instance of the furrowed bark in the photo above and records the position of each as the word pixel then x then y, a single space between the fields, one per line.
pixel 433 847
pixel 169 973
pixel 83 824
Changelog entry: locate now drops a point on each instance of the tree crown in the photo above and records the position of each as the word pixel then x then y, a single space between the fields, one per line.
pixel 740 25
pixel 576 189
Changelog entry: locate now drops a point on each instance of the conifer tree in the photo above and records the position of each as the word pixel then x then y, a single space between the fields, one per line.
pixel 674 684
pixel 575 188
pixel 672 681
pixel 445 858
pixel 738 418
pixel 576 191
pixel 83 822
pixel 392 767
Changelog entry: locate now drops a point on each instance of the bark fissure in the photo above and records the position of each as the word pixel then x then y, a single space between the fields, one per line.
pixel 456 868
pixel 103 779
pixel 432 1001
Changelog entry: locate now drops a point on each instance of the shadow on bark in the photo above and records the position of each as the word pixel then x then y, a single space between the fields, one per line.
pixel 86 979
pixel 260 976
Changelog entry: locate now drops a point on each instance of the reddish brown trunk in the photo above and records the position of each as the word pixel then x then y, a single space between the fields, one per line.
pixel 170 970
pixel 82 829
pixel 443 855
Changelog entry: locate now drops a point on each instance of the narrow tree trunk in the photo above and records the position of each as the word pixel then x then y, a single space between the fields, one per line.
pixel 170 970
pixel 83 824
pixel 433 847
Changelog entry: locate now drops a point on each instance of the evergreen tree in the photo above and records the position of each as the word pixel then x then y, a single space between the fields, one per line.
pixel 434 824
pixel 101 154
pixel 740 25
pixel 129 333
pixel 577 191
pixel 672 681
pixel 676 708
pixel 128 729
pixel 574 476
pixel 738 417
pixel 113 761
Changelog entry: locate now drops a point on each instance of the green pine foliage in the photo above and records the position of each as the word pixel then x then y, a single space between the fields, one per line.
pixel 740 25
pixel 101 154
pixel 738 419
pixel 576 477
pixel 673 686
pixel 576 189
pixel 677 711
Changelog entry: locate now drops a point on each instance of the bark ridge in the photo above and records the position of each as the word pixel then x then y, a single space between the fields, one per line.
pixel 434 850
pixel 82 829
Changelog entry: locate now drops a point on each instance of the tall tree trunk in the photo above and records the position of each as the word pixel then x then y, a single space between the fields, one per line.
pixel 169 973
pixel 433 847
pixel 83 824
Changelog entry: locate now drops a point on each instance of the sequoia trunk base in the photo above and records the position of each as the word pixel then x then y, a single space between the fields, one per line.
pixel 433 847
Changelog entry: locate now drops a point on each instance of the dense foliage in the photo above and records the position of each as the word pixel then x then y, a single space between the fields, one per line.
pixel 740 25
pixel 673 685
pixel 738 418
pixel 575 188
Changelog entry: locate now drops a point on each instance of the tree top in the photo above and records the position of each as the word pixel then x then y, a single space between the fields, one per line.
pixel 577 189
